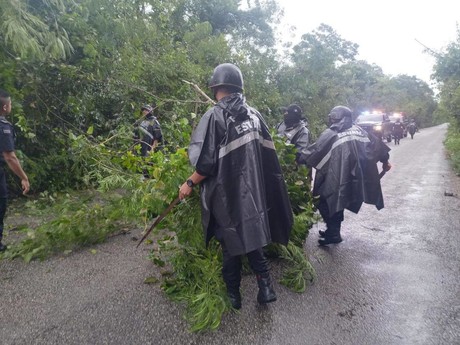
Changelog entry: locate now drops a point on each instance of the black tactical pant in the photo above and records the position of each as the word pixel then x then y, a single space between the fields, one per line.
pixel 3 202
pixel 3 199
pixel 231 269
pixel 333 222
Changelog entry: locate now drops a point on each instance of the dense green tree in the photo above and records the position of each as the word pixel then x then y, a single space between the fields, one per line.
pixel 312 78
pixel 32 29
pixel 116 55
pixel 447 74
pixel 357 84
pixel 411 96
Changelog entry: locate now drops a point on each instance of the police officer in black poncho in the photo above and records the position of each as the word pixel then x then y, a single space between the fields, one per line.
pixel 294 128
pixel 345 157
pixel 244 199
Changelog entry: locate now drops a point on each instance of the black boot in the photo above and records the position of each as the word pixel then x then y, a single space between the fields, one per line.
pixel 330 231
pixel 231 273
pixel 331 235
pixel 329 240
pixel 235 298
pixel 2 247
pixel 266 293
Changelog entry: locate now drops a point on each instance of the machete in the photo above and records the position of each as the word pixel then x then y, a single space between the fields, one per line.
pixel 159 219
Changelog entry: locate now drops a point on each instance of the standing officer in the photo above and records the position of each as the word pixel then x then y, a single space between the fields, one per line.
pixel 8 157
pixel 345 157
pixel 412 128
pixel 149 131
pixel 294 129
pixel 148 134
pixel 398 130
pixel 244 199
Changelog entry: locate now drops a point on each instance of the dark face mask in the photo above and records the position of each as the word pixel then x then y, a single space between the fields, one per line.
pixel 291 119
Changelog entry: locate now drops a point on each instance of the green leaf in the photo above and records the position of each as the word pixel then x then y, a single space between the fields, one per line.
pixel 151 280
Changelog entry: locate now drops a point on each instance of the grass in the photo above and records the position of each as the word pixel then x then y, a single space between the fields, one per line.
pixel 452 144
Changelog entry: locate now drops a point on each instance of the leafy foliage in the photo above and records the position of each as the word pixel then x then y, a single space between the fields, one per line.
pixel 35 31
pixel 80 222
pixel 195 277
pixel 79 71
pixel 197 281
pixel 72 66
pixel 447 73
pixel 453 146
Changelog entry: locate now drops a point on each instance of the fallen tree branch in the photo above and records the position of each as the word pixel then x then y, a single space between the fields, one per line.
pixel 201 92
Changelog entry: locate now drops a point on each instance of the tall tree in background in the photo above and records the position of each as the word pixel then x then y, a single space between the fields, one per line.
pixel 312 79
pixel 411 96
pixel 358 84
pixel 447 74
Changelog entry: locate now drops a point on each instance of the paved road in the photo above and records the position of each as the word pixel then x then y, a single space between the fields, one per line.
pixel 394 280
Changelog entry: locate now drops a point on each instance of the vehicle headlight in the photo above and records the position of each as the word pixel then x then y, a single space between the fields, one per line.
pixel 378 128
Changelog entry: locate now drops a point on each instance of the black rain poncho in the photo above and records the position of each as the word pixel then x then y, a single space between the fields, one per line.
pixel 244 197
pixel 298 135
pixel 345 157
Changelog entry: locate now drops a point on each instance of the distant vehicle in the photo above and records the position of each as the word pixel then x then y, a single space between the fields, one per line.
pixel 378 124
pixel 393 117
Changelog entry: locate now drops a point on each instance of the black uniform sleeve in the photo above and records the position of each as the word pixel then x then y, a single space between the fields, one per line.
pixel 6 137
pixel 204 147
pixel 302 140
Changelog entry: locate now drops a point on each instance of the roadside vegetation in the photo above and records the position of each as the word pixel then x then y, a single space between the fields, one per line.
pixel 79 72
pixel 453 146
pixel 123 201
pixel 447 74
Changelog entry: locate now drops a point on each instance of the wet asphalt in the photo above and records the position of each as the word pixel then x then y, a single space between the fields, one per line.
pixel 394 280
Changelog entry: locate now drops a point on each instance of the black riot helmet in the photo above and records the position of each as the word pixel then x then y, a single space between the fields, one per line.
pixel 338 113
pixel 227 74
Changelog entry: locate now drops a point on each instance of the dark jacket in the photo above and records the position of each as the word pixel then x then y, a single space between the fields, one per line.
pixel 7 138
pixel 148 131
pixel 412 127
pixel 398 129
pixel 7 142
pixel 297 135
pixel 345 157
pixel 244 197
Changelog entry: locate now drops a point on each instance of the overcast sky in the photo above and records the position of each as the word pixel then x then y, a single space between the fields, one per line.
pixel 386 31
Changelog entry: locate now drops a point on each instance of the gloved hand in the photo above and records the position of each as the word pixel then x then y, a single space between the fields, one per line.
pixel 386 166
